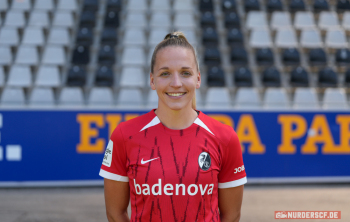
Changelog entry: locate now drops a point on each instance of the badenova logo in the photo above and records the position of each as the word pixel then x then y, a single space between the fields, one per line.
pixel 204 161
pixel 170 189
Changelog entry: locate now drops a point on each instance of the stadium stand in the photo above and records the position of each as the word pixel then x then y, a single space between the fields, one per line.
pixel 79 50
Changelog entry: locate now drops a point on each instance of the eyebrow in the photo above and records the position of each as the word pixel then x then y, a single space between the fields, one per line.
pixel 181 68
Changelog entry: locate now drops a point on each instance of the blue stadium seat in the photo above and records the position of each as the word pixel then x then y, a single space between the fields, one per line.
pixel 232 20
pixel 271 77
pixel 109 36
pixel 76 76
pixel 87 19
pixel 243 77
pixel 208 20
pixel 347 78
pixel 274 5
pixel 114 5
pixel 90 5
pixel 343 5
pixel 112 19
pixel 235 37
pixel 251 5
pixel 299 77
pixel 206 5
pixel 104 76
pixel 320 5
pixel 216 76
pixel 210 37
pixel 106 55
pixel 327 78
pixel 264 57
pixel 342 57
pixel 229 5
pixel 317 57
pixel 81 55
pixel 84 36
pixel 239 56
pixel 212 56
pixel 291 57
pixel 296 5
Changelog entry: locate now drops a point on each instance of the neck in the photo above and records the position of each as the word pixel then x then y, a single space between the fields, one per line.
pixel 176 119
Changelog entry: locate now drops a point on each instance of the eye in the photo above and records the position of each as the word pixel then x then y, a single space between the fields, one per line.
pixel 164 74
pixel 187 73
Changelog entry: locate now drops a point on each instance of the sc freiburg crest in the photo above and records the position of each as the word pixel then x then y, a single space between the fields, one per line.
pixel 204 161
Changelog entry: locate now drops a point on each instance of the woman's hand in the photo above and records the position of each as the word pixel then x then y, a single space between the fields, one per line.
pixel 230 202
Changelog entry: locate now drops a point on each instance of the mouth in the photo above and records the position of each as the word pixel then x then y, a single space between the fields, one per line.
pixel 175 94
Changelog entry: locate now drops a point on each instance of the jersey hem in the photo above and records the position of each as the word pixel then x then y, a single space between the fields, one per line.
pixel 234 183
pixel 113 176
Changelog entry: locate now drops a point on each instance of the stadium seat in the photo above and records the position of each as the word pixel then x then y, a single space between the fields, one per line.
pixel 299 77
pixel 132 77
pixel 39 19
pixel 156 36
pixel 342 57
pixel 347 78
pixel 264 57
pixel 20 76
pixel 251 5
pixel 160 20
pixel 67 5
pixel 271 77
pixel 276 98
pixel 84 36
pixel 41 96
pixel 216 77
pixel 232 20
pixel 286 38
pixel 336 38
pixel 256 19
pixel 311 38
pixel 291 57
pixel 12 96
pixel 346 21
pixel 135 37
pixel 335 99
pixel 239 56
pixel 160 5
pixel 296 5
pixel 116 5
pixel 137 6
pixel 243 77
pixel 260 38
pixel 210 37
pixel 247 98
pixel 184 21
pixel 27 55
pixel 87 19
pixel 106 55
pixel 305 98
pixel 327 78
pixel 104 76
pixel 71 96
pixel 183 6
pixel 45 5
pixel 5 55
pixel 206 5
pixel 317 57
pixel 343 5
pixel 15 19
pixel 101 96
pixel 328 20
pixel 191 37
pixel 212 56
pixel 130 98
pixel 208 20
pixel 9 36
pixel 81 55
pixel 274 5
pixel 23 5
pixel 112 19
pixel 109 36
pixel 33 36
pixel 2 77
pixel 76 76
pixel 281 20
pixel 90 5
pixel 304 20
pixel 48 76
pixel 229 5
pixel 218 97
pixel 235 37
pixel 133 56
pixel 3 6
pixel 320 5
pixel 54 55
pixel 136 20
pixel 63 18
pixel 59 36
pixel 152 98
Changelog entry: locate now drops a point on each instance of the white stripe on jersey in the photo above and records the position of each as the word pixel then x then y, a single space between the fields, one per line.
pixel 113 176
pixel 234 183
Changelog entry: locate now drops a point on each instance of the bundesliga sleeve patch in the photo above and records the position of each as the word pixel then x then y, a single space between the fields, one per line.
pixel 107 159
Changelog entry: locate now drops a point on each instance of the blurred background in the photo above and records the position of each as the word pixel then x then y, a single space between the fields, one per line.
pixel 277 71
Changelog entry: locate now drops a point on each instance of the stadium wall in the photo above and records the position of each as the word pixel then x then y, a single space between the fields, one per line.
pixel 66 147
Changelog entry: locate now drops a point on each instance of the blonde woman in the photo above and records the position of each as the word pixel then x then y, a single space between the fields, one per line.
pixel 174 163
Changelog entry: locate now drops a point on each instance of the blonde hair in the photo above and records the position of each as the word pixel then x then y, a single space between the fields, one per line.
pixel 175 39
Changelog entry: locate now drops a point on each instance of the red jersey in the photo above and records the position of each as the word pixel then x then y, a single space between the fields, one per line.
pixel 174 175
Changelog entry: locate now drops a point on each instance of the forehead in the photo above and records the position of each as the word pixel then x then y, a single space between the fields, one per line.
pixel 175 55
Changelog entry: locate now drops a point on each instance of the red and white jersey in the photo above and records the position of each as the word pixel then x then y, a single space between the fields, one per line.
pixel 174 175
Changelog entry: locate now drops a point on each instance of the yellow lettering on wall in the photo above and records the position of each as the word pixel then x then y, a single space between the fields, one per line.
pixel 130 116
pixel 344 147
pixel 86 133
pixel 288 134
pixel 318 133
pixel 247 133
pixel 225 119
pixel 113 120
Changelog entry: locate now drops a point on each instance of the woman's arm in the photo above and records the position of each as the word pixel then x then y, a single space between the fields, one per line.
pixel 230 202
pixel 117 200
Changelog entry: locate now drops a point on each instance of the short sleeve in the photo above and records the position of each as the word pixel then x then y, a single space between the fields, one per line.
pixel 232 173
pixel 114 161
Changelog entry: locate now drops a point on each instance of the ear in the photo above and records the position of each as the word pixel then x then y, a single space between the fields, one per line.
pixel 153 86
pixel 199 79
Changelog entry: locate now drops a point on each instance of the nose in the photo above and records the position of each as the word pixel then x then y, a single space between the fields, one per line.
pixel 176 80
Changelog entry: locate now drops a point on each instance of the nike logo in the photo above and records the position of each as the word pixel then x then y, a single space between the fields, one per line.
pixel 143 162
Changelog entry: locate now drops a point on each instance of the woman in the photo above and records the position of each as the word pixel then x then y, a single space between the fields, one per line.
pixel 174 163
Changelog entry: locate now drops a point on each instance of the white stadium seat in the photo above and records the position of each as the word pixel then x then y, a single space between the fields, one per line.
pixel 133 56
pixel 311 38
pixel 5 55
pixel 27 55
pixel 71 96
pixel 20 76
pixel 42 96
pixel 130 97
pixel 304 20
pixel 336 39
pixel 137 5
pixel 21 5
pixel 59 36
pixel 281 20
pixel 160 20
pixel 69 5
pixel 260 38
pixel 256 19
pixel 160 5
pixel 12 96
pixel 63 18
pixel 305 98
pixel 335 99
pixel 276 98
pixel 218 98
pixel 156 36
pixel 45 5
pixel 39 19
pixel 33 36
pixel 15 19
pixel 135 37
pixel 328 20
pixel 9 36
pixel 247 98
pixel 286 38
pixel 2 76
pixel 48 76
pixel 132 77
pixel 136 20
pixel 184 21
pixel 101 96
pixel 183 6
pixel 3 6
pixel 53 55
pixel 346 21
